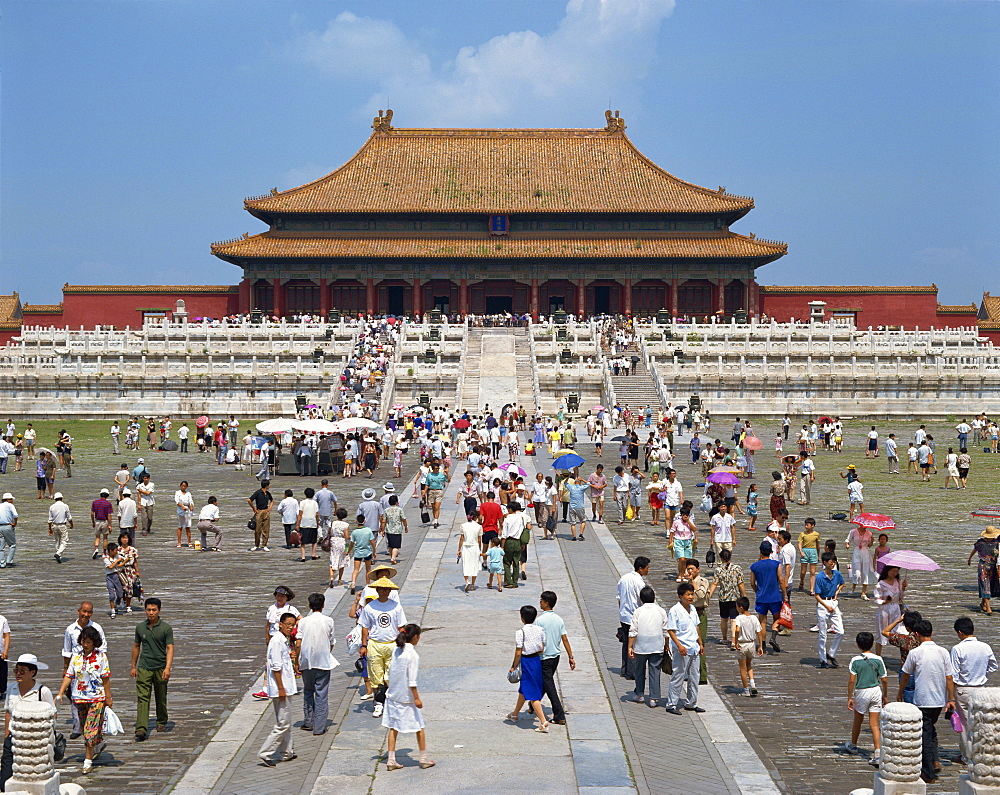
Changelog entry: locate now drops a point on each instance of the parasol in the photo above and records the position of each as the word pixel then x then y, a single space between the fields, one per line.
pixel 725 478
pixel 823 419
pixel 277 425
pixel 568 461
pixel 908 559
pixel 315 426
pixel 723 468
pixel 202 421
pixel 621 439
pixel 874 521
pixel 398 407
pixel 989 512
pixel 598 407
pixel 461 424
pixel 41 450
pixel 353 423
pixel 510 468
pixel 417 409
pixel 752 443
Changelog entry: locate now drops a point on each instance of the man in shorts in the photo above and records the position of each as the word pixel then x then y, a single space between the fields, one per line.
pixel 598 482
pixel 436 481
pixel 766 580
pixel 866 689
pixel 577 488
pixel 675 497
pixel 724 530
pixel 100 519
pixel 748 642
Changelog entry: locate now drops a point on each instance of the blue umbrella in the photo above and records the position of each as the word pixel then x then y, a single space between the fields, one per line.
pixel 567 461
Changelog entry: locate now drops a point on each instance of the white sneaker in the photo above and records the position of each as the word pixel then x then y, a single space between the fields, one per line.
pixel 112 614
pixel 264 549
pixel 848 747
pixel 367 696
pixel 814 628
pixel 378 710
pixel 253 549
pixel 87 764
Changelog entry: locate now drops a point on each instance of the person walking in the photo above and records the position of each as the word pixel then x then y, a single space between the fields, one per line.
pixel 307 525
pixel 152 659
pixel 866 694
pixel 147 502
pixel 261 501
pixel 860 541
pixel 972 661
pixel 729 582
pixel 807 476
pixel 90 673
pixel 71 646
pixel 988 549
pixel 515 527
pixel 381 621
pixel 184 500
pixel 361 547
pixel 829 620
pixel 768 583
pixel 60 523
pixel 128 512
pixel 402 701
pixel 278 747
pixel 685 649
pixel 930 664
pixel 8 525
pixel 315 641
pixel 100 520
pixel 529 643
pixel 470 542
pixel 629 587
pixel 555 641
pixel 647 643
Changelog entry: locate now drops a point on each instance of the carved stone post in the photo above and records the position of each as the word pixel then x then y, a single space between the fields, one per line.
pixel 899 765
pixel 983 727
pixel 31 727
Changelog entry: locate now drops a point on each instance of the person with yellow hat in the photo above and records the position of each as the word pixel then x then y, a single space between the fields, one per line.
pixel 381 621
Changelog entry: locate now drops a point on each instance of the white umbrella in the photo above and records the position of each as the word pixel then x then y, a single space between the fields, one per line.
pixel 353 423
pixel 315 426
pixel 277 425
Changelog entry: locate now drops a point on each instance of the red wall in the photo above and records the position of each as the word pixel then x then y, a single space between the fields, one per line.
pixel 876 309
pixel 121 309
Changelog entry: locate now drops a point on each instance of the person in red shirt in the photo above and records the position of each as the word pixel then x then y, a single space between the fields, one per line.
pixel 100 519
pixel 490 514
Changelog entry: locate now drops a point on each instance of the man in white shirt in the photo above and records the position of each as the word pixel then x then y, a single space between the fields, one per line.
pixel 621 481
pixel 685 649
pixel 892 454
pixel 127 510
pixel 315 642
pixel 647 643
pixel 807 476
pixel 60 523
pixel 280 685
pixel 786 557
pixel 935 690
pixel 675 496
pixel 971 661
pixel 145 489
pixel 629 587
pixel 723 529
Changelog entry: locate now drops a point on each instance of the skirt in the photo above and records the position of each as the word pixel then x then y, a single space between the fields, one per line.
pixel 470 560
pixel 654 500
pixel 310 535
pixel 862 568
pixel 403 717
pixel 531 679
pixel 884 616
pixel 337 557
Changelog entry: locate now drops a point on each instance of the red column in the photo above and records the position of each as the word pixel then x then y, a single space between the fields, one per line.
pixel 674 284
pixel 533 300
pixel 279 297
pixel 720 295
pixel 324 297
pixel 418 299
pixel 753 300
pixel 628 297
pixel 581 299
pixel 245 296
pixel 370 302
pixel 463 296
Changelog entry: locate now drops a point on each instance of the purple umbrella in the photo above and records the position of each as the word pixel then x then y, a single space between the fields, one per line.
pixel 511 467
pixel 725 478
pixel 908 559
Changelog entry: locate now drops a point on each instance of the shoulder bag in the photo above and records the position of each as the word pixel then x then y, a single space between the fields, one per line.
pixel 514 676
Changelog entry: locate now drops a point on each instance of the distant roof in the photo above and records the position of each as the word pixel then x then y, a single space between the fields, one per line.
pixel 989 310
pixel 957 309
pixel 42 309
pixel 10 311
pixel 819 289
pixel 150 289
pixel 499 171
pixel 271 245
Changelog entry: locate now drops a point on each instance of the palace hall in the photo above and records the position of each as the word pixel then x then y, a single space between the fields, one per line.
pixel 499 220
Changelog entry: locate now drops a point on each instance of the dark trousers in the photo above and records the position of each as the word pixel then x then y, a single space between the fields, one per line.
pixel 628 665
pixel 549 685
pixel 148 683
pixel 929 744
pixel 184 446
pixel 6 762
pixel 511 562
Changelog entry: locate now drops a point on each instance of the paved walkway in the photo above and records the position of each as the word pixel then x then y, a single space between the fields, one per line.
pixel 607 746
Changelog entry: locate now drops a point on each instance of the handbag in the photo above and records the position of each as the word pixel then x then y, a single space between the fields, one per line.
pixel 326 542
pixel 137 589
pixel 706 504
pixel 252 523
pixel 550 523
pixel 425 517
pixel 710 557
pixel 295 538
pixel 514 676
pixel 59 748
pixel 630 514
pixel 785 616
pixel 667 663
pixel 525 537
pixel 621 634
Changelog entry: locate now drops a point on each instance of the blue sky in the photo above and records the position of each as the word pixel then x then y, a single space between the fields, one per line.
pixel 866 131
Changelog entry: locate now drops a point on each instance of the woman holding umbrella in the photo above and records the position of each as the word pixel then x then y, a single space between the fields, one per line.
pixel 989 581
pixel 889 592
pixel 860 541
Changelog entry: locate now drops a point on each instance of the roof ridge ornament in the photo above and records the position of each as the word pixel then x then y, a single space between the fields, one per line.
pixel 615 122
pixel 382 122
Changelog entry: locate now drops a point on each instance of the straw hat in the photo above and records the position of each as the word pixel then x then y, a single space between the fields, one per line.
pixel 385 582
pixel 381 567
pixel 991 532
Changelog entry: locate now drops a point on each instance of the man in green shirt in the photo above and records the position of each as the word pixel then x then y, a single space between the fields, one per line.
pixel 152 658
pixel 436 480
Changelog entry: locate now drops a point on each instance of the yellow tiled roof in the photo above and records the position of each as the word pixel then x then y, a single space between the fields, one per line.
pixel 42 309
pixel 990 309
pixel 271 245
pixel 957 309
pixel 10 311
pixel 499 171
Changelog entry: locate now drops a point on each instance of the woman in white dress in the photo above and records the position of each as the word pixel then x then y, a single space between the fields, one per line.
pixel 470 544
pixel 952 463
pixel 402 701
pixel 860 541
pixel 339 533
pixel 889 592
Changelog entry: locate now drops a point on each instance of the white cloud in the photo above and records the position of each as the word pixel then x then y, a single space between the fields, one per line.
pixel 599 49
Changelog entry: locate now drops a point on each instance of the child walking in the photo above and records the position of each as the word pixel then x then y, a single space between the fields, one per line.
pixel 748 641
pixel 494 564
pixel 402 700
pixel 866 693
pixel 752 505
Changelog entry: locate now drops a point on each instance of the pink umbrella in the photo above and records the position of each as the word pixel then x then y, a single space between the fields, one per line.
pixel 874 521
pixel 510 467
pixel 752 443
pixel 908 559
pixel 202 421
pixel 725 478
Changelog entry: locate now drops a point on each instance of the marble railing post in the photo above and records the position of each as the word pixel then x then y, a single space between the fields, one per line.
pixel 31 727
pixel 899 763
pixel 983 735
